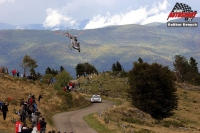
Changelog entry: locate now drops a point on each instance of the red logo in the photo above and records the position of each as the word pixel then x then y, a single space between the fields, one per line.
pixel 182 10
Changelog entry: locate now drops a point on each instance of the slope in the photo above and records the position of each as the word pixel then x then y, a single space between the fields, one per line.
pixel 51 103
pixel 126 118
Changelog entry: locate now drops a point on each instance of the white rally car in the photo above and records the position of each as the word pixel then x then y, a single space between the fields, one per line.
pixel 96 99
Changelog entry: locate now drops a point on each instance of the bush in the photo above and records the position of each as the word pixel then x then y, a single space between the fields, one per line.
pixel 46 77
pixel 62 80
pixel 153 89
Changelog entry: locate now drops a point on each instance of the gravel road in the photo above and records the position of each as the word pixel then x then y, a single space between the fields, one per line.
pixel 72 122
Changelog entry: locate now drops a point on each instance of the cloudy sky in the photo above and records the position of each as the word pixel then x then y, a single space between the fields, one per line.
pixel 52 13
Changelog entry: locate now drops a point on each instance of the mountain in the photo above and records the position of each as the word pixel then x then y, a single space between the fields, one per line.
pixel 83 23
pixel 101 47
pixel 6 26
pixel 154 24
pixel 34 26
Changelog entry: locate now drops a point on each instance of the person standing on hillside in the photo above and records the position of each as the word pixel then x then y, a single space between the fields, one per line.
pixel 17 73
pixel 100 85
pixel 1 103
pixel 40 96
pixel 4 109
pixel 43 126
pixel 18 126
pixel 22 113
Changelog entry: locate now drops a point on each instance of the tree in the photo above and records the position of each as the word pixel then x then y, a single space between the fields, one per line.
pixel 85 67
pixel 28 63
pixel 195 76
pixel 32 71
pixel 61 68
pixel 194 66
pixel 80 69
pixel 51 71
pixel 182 68
pixel 113 67
pixel 38 75
pixel 152 89
pixel 48 71
pixel 140 60
pixel 117 67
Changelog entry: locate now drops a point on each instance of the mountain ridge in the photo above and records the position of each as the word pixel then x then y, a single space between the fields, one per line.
pixel 81 25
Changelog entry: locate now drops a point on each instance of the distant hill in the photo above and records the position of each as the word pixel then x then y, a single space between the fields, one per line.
pixel 81 25
pixel 100 47
pixel 154 24
pixel 6 26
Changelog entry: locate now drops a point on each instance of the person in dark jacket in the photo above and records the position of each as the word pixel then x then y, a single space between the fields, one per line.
pixel 43 126
pixel 4 109
pixel 40 96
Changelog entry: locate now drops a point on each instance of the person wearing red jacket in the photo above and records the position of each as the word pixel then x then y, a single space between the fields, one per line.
pixel 38 125
pixel 18 126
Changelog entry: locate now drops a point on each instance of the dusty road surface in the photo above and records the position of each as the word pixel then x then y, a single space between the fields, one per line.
pixel 73 121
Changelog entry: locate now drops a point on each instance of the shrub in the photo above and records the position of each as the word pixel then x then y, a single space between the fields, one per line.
pixel 62 80
pixel 46 77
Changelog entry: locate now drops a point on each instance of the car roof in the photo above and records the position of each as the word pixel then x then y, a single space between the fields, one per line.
pixel 96 95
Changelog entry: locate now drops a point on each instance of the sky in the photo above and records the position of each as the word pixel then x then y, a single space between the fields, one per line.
pixel 100 13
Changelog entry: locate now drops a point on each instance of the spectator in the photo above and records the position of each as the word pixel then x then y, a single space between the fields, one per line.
pixel 29 111
pixel 1 103
pixel 4 109
pixel 34 119
pixel 18 126
pixel 43 126
pixel 17 73
pixel 21 102
pixel 22 113
pixel 34 130
pixel 64 88
pixel 40 96
pixel 30 129
pixel 38 125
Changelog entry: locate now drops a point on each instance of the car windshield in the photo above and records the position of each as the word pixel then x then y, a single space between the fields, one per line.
pixel 96 96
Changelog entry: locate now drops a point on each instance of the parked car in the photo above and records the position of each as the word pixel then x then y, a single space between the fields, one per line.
pixel 96 99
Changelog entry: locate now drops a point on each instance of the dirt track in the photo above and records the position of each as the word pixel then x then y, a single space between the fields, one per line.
pixel 73 121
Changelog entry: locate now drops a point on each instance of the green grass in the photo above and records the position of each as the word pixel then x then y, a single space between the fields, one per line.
pixel 173 123
pixel 144 131
pixel 1 131
pixel 92 122
pixel 116 101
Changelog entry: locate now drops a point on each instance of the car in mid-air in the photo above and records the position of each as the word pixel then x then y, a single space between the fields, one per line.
pixel 96 99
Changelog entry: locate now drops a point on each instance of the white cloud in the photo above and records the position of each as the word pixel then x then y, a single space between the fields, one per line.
pixel 55 18
pixel 143 15
pixel 18 27
pixel 4 1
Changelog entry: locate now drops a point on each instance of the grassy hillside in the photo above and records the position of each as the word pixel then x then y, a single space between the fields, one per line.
pixel 51 103
pixel 100 47
pixel 125 118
